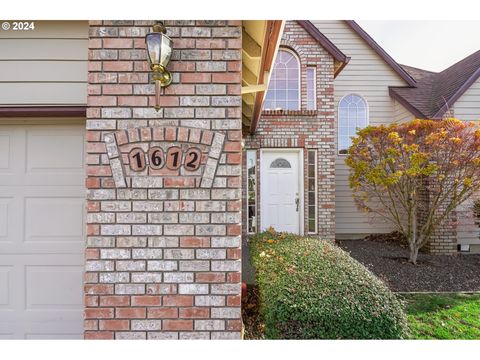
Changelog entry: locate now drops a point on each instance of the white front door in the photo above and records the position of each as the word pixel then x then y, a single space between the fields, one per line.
pixel 280 190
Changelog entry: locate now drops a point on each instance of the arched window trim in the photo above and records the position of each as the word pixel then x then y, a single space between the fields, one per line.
pixel 295 55
pixel 338 117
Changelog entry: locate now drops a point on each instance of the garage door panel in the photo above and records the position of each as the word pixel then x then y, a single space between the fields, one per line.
pixel 54 219
pixel 42 232
pixel 52 223
pixel 5 208
pixel 5 286
pixel 54 150
pixel 5 151
pixel 57 287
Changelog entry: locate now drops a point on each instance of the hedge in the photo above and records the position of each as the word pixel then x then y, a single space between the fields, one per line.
pixel 312 289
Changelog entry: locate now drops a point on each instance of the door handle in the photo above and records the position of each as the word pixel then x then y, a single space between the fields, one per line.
pixel 297 202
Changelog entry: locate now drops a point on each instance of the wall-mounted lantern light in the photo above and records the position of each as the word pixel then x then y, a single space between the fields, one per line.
pixel 159 49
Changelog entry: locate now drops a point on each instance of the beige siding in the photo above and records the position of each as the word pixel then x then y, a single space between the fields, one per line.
pixel 369 76
pixel 400 114
pixel 45 66
pixel 468 106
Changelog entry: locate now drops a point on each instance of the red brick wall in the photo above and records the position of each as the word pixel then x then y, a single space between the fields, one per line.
pixel 305 129
pixel 163 245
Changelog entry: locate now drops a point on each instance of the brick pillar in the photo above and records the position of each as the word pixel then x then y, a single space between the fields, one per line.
pixel 163 240
pixel 444 240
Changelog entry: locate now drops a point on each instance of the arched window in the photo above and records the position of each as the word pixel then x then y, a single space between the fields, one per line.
pixel 352 115
pixel 284 87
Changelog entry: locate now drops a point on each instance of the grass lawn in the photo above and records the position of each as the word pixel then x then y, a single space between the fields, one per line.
pixel 443 316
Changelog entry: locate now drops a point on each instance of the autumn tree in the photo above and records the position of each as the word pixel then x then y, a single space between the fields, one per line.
pixel 394 167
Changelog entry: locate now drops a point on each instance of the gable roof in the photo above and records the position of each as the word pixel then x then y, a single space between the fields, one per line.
pixel 336 53
pixel 382 53
pixel 340 59
pixel 435 93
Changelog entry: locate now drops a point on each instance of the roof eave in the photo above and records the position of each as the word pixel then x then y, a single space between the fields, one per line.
pixel 405 103
pixel 325 42
pixel 381 52
pixel 450 102
pixel 339 70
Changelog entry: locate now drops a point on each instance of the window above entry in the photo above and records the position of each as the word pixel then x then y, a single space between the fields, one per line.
pixel 284 88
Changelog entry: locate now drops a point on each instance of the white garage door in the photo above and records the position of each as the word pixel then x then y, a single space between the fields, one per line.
pixel 41 231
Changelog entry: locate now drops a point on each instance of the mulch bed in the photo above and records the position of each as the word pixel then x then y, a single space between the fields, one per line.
pixel 253 325
pixel 387 257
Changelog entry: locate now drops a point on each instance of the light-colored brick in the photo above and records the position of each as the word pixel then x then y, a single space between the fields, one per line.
pixel 210 206
pixel 100 218
pixel 209 300
pixel 146 277
pixel 147 253
pixel 179 229
pixel 114 253
pixel 179 254
pixel 147 325
pixel 227 265
pixel 131 218
pixel 129 289
pixel 195 218
pixel 164 265
pixel 100 241
pixel 147 230
pixel 197 335
pixel 147 206
pixel 226 313
pixel 226 241
pixel 130 335
pixel 163 242
pixel 209 229
pixel 163 218
pixel 209 325
pixel 115 230
pixel 131 241
pixel 226 335
pixel 114 277
pixel 194 265
pixel 99 265
pixel 116 206
pixel 178 277
pixel 147 182
pixel 163 335
pixel 225 289
pixel 131 265
pixel 196 289
pixel 211 253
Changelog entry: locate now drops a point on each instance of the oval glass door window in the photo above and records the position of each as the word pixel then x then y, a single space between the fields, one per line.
pixel 280 163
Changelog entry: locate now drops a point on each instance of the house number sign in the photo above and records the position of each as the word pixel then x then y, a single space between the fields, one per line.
pixel 156 158
pixel 181 156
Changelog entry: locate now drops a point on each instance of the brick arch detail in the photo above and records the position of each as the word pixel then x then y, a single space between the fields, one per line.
pixel 168 134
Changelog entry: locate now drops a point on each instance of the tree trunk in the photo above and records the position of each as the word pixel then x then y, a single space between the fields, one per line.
pixel 413 253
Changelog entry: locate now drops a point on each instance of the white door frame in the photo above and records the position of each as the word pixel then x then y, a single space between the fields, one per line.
pixel 301 194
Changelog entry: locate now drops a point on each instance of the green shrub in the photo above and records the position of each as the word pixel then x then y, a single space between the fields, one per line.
pixel 311 289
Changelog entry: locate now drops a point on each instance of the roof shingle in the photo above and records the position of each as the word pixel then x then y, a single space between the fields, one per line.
pixel 435 93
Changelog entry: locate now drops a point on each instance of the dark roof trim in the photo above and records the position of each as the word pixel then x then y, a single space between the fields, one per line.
pixel 457 94
pixel 382 53
pixel 43 111
pixel 324 41
pixel 405 103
